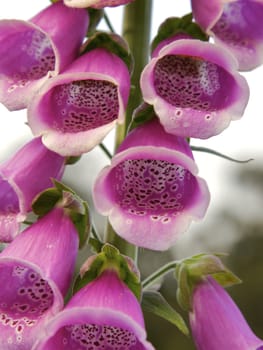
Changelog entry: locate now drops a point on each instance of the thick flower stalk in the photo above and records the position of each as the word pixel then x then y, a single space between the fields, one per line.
pixel 151 191
pixel 28 172
pixel 104 314
pixel 34 277
pixel 217 322
pixel 33 51
pixel 236 25
pixel 75 110
pixel 195 88
pixel 98 4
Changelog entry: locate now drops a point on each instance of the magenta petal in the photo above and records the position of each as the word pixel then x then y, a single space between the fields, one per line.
pixel 216 321
pixel 77 109
pixel 195 88
pixel 34 278
pixel 95 3
pixel 22 177
pixel 103 314
pixel 236 26
pixel 33 51
pixel 151 191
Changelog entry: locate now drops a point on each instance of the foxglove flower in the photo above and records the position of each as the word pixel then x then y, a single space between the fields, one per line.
pixel 75 110
pixel 195 88
pixel 216 321
pixel 33 51
pixel 34 277
pixel 151 191
pixel 22 177
pixel 103 314
pixel 236 25
pixel 95 3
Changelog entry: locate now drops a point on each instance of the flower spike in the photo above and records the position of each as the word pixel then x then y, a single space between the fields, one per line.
pixel 195 88
pixel 33 51
pixel 22 177
pixel 151 191
pixel 235 25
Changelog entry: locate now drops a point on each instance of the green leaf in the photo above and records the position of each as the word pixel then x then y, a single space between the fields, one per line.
pixel 178 25
pixel 142 115
pixel 46 201
pixel 155 303
pixel 112 43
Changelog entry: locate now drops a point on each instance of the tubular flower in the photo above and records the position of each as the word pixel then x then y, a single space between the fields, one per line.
pixel 216 321
pixel 98 4
pixel 103 314
pixel 75 110
pixel 35 50
pixel 22 177
pixel 236 25
pixel 151 191
pixel 35 276
pixel 195 88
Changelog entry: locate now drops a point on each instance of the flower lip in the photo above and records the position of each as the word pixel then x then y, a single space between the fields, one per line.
pixel 27 300
pixel 186 84
pixel 95 3
pixel 151 189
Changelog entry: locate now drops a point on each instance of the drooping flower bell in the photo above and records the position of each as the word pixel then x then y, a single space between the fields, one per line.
pixel 35 273
pixel 75 110
pixel 236 25
pixel 195 88
pixel 103 314
pixel 28 172
pixel 215 319
pixel 217 322
pixel 151 191
pixel 98 4
pixel 35 50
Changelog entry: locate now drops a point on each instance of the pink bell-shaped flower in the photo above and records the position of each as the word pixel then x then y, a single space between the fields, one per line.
pixel 216 321
pixel 28 172
pixel 35 50
pixel 194 87
pixel 236 25
pixel 95 3
pixel 151 191
pixel 75 110
pixel 35 277
pixel 104 314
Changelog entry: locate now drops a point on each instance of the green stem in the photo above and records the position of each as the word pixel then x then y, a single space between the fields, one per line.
pixel 105 150
pixel 136 31
pixel 159 273
pixel 108 22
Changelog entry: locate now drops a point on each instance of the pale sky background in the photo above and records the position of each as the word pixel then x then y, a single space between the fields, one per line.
pixel 242 140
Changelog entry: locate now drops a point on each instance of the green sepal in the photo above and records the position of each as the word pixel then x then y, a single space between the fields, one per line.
pixel 110 258
pixel 194 270
pixel 143 114
pixel 178 25
pixel 155 303
pixel 111 42
pixel 95 244
pixel 63 196
pixel 95 16
pixel 72 160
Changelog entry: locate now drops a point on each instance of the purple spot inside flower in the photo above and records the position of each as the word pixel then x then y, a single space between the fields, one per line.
pixel 9 203
pixel 153 187
pixel 93 337
pixel 191 82
pixel 260 348
pixel 32 59
pixel 84 105
pixel 237 25
pixel 24 299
